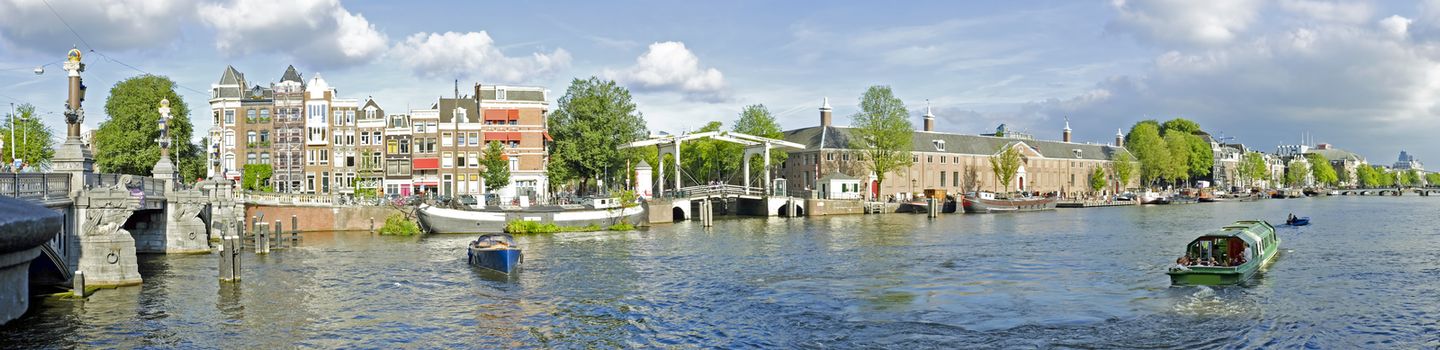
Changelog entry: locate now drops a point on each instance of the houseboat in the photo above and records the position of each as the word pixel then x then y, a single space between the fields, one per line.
pixel 987 202
pixel 1230 255
pixel 602 212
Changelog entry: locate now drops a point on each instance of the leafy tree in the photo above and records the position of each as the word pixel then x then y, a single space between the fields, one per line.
pixel 1343 177
pixel 33 142
pixel 1252 167
pixel 1178 169
pixel 1296 172
pixel 1383 177
pixel 256 177
pixel 125 143
pixel 756 120
pixel 1410 178
pixel 1144 141
pixel 1367 176
pixel 710 159
pixel 589 124
pixel 1005 165
pixel 1433 179
pixel 883 130
pixel 1181 125
pixel 1097 180
pixel 497 166
pixel 1123 166
pixel 1321 169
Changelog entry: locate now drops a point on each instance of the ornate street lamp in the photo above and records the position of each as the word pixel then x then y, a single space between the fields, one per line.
pixel 164 139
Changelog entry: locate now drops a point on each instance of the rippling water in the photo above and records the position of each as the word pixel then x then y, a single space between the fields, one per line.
pixel 1365 275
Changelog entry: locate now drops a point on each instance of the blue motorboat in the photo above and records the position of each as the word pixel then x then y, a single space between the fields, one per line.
pixel 495 252
pixel 1298 221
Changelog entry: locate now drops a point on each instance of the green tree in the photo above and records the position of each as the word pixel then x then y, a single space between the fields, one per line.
pixel 1411 178
pixel 1343 177
pixel 256 177
pixel 1178 169
pixel 1145 143
pixel 1252 168
pixel 1295 173
pixel 1005 165
pixel 1432 179
pixel 1182 125
pixel 756 120
pixel 1367 176
pixel 1097 180
pixel 32 142
pixel 125 143
pixel 192 161
pixel 1321 169
pixel 1383 177
pixel 1201 158
pixel 710 159
pixel 589 124
pixel 1123 166
pixel 497 166
pixel 883 130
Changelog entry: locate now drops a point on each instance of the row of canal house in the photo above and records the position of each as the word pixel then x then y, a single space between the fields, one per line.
pixel 318 142
pixel 952 162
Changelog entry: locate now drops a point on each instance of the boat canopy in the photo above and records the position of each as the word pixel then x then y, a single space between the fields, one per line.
pixel 490 240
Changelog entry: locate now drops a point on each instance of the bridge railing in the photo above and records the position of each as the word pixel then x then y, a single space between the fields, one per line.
pixel 714 190
pixel 35 186
pixel 152 187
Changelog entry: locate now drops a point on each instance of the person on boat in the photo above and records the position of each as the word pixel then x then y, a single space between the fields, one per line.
pixel 1291 219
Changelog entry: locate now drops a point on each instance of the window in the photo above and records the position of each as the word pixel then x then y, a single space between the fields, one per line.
pixel 514 163
pixel 229 138
pixel 350 138
pixel 460 160
pixel 955 178
pixel 942 177
pixel 265 115
pixel 474 138
pixel 446 140
pixel 350 160
pixel 460 114
pixel 392 146
pixel 942 160
pixel 350 117
pixel 250 116
pixel 264 136
pixel 229 117
pixel 499 94
pixel 249 137
pixel 230 162
pixel 250 158
pixel 474 160
pixel 404 146
pixel 829 157
pixel 370 113
pixel 324 156
pixel 447 160
pixel 845 157
pixel 265 158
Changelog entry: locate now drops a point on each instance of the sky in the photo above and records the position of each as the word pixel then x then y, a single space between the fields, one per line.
pixel 1361 75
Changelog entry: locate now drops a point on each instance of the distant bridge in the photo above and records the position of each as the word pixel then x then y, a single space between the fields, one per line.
pixel 1389 191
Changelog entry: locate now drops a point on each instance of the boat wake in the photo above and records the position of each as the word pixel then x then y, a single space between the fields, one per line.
pixel 1208 301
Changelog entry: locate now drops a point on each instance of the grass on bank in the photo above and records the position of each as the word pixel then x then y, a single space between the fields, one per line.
pixel 522 226
pixel 399 225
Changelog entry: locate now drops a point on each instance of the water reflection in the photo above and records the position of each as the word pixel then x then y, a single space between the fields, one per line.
pixel 1069 278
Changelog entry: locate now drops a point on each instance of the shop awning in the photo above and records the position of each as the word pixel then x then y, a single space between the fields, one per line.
pixel 425 163
pixel 547 137
pixel 502 114
pixel 502 136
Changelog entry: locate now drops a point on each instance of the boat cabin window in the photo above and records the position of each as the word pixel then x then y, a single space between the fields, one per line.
pixel 1218 252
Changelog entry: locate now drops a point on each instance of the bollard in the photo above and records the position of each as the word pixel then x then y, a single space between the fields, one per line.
pixel 235 258
pixel 239 234
pixel 262 239
pixel 78 282
pixel 226 272
pixel 295 229
pixel 279 243
pixel 933 211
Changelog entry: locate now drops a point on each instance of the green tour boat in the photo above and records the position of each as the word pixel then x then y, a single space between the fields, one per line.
pixel 1229 256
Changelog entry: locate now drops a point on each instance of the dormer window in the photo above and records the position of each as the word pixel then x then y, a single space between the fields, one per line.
pixel 499 94
pixel 1077 152
pixel 460 115
pixel 939 145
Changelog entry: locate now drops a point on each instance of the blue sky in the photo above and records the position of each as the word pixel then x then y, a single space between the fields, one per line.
pixel 1362 75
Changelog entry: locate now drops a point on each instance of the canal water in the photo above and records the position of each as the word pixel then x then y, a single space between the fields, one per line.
pixel 1365 275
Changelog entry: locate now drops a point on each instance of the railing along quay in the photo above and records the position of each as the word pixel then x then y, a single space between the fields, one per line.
pixel 35 186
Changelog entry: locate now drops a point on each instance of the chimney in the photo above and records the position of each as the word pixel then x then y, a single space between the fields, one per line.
pixel 1119 138
pixel 1066 136
pixel 825 113
pixel 929 118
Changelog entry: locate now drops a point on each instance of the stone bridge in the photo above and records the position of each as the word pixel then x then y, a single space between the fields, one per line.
pixel 1390 191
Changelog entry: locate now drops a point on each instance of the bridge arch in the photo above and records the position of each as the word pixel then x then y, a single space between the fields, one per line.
pixel 786 209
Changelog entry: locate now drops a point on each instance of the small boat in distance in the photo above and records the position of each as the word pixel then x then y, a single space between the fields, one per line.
pixel 1229 256
pixel 600 211
pixel 495 252
pixel 1154 198
pixel 987 202
pixel 1298 221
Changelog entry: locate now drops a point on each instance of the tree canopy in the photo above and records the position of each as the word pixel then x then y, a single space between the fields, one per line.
pixel 1433 179
pixel 1005 165
pixel 1321 169
pixel 590 123
pixel 884 131
pixel 1178 169
pixel 1145 142
pixel 1252 167
pixel 256 177
pixel 33 142
pixel 1123 166
pixel 125 143
pixel 1097 179
pixel 710 159
pixel 1296 172
pixel 497 166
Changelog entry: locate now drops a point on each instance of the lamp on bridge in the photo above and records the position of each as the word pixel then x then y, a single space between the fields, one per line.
pixel 164 139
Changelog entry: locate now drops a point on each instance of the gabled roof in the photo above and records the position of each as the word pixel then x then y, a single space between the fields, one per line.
pixel 233 84
pixel 292 75
pixel 840 138
pixel 232 77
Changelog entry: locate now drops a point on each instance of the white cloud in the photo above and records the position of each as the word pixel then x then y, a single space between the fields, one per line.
pixel 1184 22
pixel 104 24
pixel 1333 11
pixel 319 32
pixel 1395 25
pixel 473 54
pixel 669 66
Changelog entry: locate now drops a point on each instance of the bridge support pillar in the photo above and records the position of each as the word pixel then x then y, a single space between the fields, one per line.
pixel 26 227
pixel 107 250
pixel 185 232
